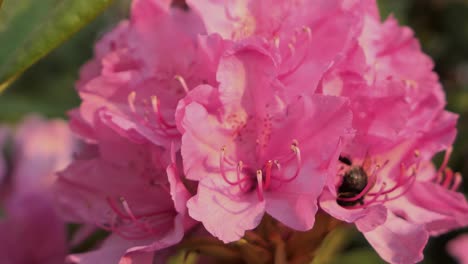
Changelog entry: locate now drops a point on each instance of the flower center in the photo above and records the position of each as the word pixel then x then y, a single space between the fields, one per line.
pixel 270 177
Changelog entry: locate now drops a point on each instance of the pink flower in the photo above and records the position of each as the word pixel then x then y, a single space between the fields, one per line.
pixel 253 151
pixel 458 248
pixel 386 184
pixel 41 149
pixel 307 36
pixel 32 232
pixel 142 69
pixel 401 188
pixel 129 188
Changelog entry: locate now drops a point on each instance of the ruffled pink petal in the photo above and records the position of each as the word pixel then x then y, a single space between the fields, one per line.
pixel 328 204
pixel 198 149
pixel 398 241
pixel 375 217
pixel 295 203
pixel 438 208
pixel 217 202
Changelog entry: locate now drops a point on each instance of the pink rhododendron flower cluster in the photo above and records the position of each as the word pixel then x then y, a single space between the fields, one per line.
pixel 227 113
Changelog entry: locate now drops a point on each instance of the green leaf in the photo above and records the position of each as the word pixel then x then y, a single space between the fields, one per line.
pixel 29 29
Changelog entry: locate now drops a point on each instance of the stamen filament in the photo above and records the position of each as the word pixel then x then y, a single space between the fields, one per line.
pixel 410 183
pixel 131 101
pixel 448 177
pixel 456 182
pixel 371 201
pixel 182 82
pixel 223 170
pixel 260 185
pixel 444 164
pixel 297 152
pixel 157 110
pixel 268 174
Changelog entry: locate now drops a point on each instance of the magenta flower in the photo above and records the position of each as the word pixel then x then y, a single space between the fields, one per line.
pixel 307 36
pixel 137 77
pixel 131 189
pixel 457 248
pixel 32 232
pixel 386 184
pixel 247 147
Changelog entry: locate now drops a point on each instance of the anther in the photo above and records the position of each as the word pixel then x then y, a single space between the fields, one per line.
pixel 276 41
pixel 268 168
pixel 182 82
pixel 260 185
pixel 156 108
pixel 131 101
pixel 308 31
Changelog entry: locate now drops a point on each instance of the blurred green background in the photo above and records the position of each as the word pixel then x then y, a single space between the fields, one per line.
pixel 441 26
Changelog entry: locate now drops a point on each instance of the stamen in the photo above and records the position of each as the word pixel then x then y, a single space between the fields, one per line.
pixel 127 208
pixel 116 209
pixel 142 225
pixel 409 184
pixel 182 82
pixel 277 164
pixel 456 182
pixel 308 31
pixel 444 164
pixel 221 165
pixel 259 185
pixel 163 125
pixel 371 201
pixel 297 151
pixel 223 169
pixel 276 41
pixel 268 174
pixel 240 166
pixel 448 177
pixel 157 110
pixel 131 101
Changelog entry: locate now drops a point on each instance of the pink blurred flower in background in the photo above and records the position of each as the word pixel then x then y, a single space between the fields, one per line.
pixel 32 231
pixel 458 248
